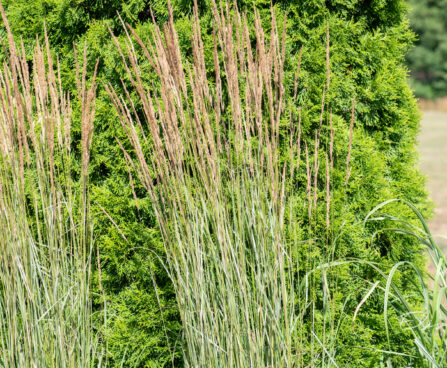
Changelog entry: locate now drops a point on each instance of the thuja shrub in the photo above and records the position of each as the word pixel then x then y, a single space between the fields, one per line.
pixel 367 43
pixel 253 136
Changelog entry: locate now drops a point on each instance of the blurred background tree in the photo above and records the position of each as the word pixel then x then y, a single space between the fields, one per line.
pixel 427 61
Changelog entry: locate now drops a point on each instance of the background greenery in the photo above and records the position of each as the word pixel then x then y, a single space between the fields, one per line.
pixel 428 59
pixel 368 45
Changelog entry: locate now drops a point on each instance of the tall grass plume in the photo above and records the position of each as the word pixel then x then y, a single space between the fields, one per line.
pixel 45 229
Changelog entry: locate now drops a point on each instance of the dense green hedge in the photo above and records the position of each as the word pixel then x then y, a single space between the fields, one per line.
pixel 368 44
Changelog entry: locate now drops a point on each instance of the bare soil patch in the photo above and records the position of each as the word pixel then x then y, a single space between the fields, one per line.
pixel 433 162
pixel 439 104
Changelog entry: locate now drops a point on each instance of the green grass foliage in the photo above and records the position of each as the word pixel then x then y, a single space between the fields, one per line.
pixel 367 80
pixel 427 321
pixel 46 231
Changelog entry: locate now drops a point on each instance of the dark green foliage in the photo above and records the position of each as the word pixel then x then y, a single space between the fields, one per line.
pixel 368 43
pixel 428 59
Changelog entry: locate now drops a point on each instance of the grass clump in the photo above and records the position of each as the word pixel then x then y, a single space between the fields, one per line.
pixel 219 192
pixel 243 196
pixel 427 322
pixel 46 236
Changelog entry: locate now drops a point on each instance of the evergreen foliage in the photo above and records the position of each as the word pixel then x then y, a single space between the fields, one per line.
pixel 368 41
pixel 428 59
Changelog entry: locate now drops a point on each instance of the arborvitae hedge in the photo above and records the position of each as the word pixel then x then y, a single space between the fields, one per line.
pixel 368 44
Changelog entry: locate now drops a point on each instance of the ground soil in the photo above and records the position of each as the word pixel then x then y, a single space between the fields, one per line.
pixel 433 163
